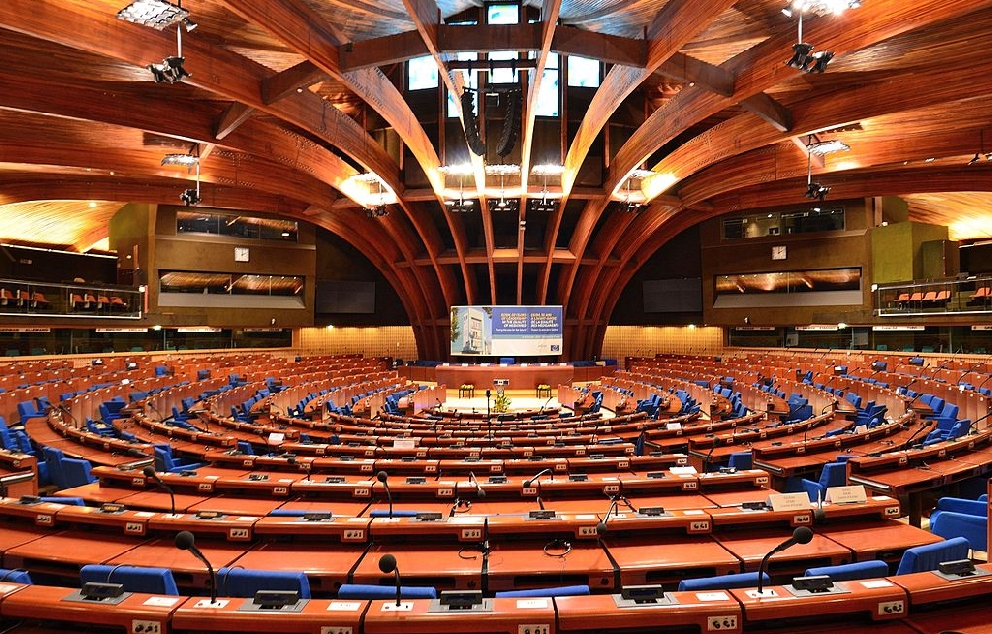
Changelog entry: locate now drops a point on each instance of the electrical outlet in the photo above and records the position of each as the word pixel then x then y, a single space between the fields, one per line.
pixel 140 626
pixel 721 623
pixel 891 608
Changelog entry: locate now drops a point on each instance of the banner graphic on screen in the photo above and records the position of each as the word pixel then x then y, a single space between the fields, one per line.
pixel 506 331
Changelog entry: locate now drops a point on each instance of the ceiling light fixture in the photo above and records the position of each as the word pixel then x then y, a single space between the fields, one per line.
pixel 546 204
pixel 160 15
pixel 461 171
pixel 814 191
pixel 821 148
pixel 803 58
pixel 186 160
pixel 190 197
pixel 503 170
pixel 157 14
pixel 819 7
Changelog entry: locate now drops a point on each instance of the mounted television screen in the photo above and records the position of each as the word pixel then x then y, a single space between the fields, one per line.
pixel 506 331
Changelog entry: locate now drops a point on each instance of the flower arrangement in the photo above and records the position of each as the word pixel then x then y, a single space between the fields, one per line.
pixel 501 403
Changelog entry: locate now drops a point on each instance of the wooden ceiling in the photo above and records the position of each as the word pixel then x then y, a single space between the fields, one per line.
pixel 288 99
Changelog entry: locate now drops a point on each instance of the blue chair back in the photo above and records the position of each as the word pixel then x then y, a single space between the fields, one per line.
pixel 241 582
pixel 974 528
pixel 873 569
pixel 368 592
pixel 555 591
pixel 741 460
pixel 723 582
pixel 924 558
pixel 133 578
pixel 15 576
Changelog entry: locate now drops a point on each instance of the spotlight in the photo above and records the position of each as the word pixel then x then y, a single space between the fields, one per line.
pixel 631 207
pixel 190 198
pixel 544 206
pixel 505 204
pixel 801 56
pixel 821 60
pixel 975 159
pixel 817 191
pixel 379 211
pixel 189 25
pixel 157 14
pixel 459 206
pixel 169 71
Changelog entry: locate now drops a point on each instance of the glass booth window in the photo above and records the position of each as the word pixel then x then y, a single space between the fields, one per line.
pixel 234 226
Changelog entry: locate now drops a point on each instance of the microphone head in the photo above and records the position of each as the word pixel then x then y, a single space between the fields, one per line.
pixel 185 540
pixel 528 483
pixel 382 476
pixel 480 492
pixel 602 528
pixel 802 535
pixel 149 471
pixel 387 563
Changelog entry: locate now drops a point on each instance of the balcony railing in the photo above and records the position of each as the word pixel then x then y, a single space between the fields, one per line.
pixel 967 296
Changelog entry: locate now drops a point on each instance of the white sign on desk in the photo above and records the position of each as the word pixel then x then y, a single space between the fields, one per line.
pixel 847 495
pixel 789 501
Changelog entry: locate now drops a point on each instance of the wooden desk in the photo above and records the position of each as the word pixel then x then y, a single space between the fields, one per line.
pixel 443 566
pixel 189 572
pixel 46 603
pixel 750 546
pixel 966 619
pixel 317 615
pixel 878 599
pixel 642 561
pixel 519 565
pixel 62 553
pixel 599 613
pixel 521 376
pixel 879 539
pixel 508 616
pixel 326 568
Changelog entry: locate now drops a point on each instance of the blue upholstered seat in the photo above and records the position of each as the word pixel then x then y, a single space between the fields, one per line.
pixel 923 558
pixel 133 578
pixel 723 582
pixel 555 591
pixel 873 569
pixel 242 582
pixel 370 591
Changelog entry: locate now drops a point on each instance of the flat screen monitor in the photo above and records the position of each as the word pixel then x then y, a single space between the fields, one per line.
pixel 506 331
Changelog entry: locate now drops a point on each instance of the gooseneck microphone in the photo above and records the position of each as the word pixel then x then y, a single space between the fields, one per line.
pixel 186 541
pixel 802 535
pixel 479 491
pixel 383 477
pixel 387 564
pixel 529 483
pixel 149 472
pixel 537 480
